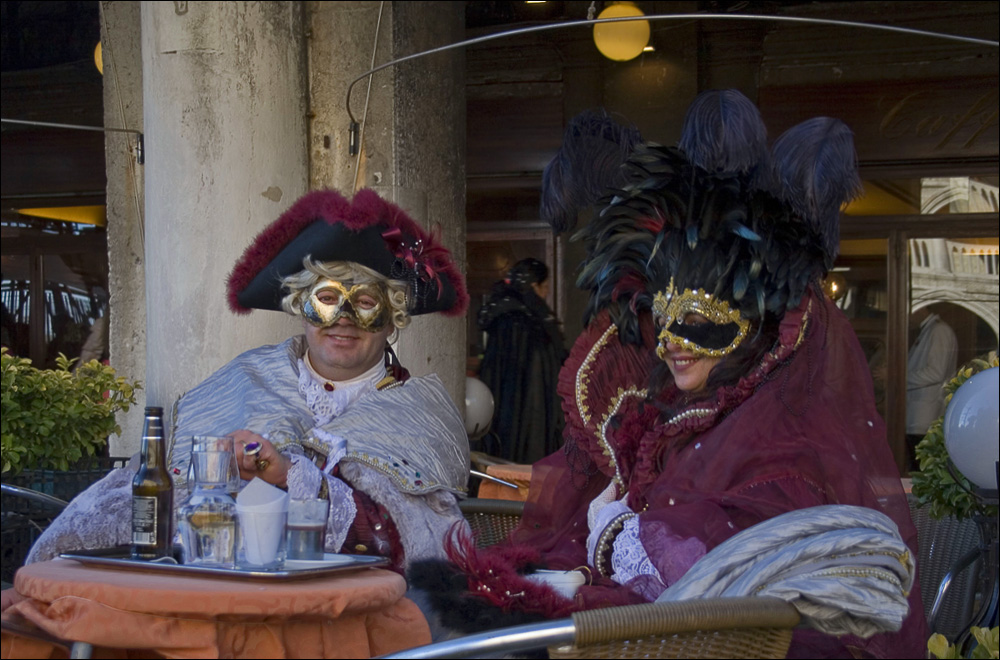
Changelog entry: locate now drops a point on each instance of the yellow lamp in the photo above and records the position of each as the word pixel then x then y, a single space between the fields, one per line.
pixel 90 215
pixel 835 286
pixel 99 58
pixel 622 40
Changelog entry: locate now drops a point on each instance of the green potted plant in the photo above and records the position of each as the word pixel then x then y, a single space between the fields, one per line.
pixel 986 645
pixel 53 418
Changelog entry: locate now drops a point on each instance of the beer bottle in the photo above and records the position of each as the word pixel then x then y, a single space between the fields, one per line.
pixel 152 494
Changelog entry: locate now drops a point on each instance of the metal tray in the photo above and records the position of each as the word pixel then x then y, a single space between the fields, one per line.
pixel 118 559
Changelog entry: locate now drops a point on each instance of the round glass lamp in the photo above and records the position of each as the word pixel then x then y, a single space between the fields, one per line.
pixel 621 40
pixel 478 407
pixel 971 428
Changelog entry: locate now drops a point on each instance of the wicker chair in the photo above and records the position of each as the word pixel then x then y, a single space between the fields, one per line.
pixel 949 568
pixel 26 514
pixel 748 627
pixel 491 521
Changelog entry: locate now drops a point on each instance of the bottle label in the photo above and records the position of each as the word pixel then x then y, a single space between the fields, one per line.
pixel 143 520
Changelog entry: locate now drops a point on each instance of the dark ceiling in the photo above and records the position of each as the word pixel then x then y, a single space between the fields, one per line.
pixel 48 75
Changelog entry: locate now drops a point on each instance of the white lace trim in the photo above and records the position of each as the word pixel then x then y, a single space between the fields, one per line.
pixel 326 405
pixel 607 496
pixel 628 556
pixel 602 518
pixel 304 478
pixel 341 515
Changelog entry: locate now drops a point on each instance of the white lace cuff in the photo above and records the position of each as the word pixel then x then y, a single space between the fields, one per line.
pixel 341 515
pixel 607 496
pixel 629 558
pixel 304 478
pixel 598 537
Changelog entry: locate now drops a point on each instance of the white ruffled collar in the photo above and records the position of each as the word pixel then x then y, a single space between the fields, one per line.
pixel 328 398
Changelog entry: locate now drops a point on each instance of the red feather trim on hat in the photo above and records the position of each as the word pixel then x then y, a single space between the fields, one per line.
pixel 367 210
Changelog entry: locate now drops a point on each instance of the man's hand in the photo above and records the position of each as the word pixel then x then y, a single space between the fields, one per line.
pixel 257 457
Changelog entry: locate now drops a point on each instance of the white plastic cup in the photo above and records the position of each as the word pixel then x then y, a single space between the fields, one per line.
pixel 263 537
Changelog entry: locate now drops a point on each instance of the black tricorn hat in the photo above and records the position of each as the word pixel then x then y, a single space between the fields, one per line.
pixel 369 231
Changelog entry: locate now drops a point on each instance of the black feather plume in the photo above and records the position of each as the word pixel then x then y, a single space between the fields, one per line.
pixel 817 170
pixel 723 132
pixel 588 162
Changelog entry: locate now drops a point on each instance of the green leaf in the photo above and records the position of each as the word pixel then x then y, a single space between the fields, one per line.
pixel 938 646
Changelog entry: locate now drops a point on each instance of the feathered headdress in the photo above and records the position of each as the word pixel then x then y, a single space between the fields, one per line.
pixel 720 213
pixel 367 230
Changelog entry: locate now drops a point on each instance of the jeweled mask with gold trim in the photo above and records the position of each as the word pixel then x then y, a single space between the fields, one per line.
pixel 366 305
pixel 725 329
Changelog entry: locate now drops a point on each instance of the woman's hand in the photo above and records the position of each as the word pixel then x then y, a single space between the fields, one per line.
pixel 257 457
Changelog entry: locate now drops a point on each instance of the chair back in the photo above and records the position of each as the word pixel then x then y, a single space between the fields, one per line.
pixel 33 498
pixel 491 521
pixel 746 627
pixel 942 544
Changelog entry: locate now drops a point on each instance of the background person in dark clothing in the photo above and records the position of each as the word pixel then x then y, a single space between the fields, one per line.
pixel 524 351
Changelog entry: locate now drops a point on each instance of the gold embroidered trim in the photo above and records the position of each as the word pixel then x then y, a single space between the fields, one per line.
pixel 388 382
pixel 804 326
pixel 392 470
pixel 602 436
pixel 583 373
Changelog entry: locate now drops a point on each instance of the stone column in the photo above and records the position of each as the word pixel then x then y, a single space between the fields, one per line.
pixel 225 124
pixel 413 137
pixel 122 55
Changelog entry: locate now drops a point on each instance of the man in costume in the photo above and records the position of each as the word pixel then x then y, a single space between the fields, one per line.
pixel 331 413
pixel 715 386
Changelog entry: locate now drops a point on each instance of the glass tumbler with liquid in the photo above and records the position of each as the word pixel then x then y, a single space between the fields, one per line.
pixel 306 528
pixel 208 522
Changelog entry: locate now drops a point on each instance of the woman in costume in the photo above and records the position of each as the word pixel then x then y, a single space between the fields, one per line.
pixel 524 352
pixel 715 386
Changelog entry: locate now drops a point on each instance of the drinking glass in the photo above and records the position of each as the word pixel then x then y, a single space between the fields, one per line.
pixel 306 528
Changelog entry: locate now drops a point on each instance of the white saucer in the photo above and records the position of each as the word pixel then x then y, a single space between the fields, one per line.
pixel 329 559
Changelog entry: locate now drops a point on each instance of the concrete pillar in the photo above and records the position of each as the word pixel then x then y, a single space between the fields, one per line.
pixel 413 145
pixel 225 124
pixel 122 55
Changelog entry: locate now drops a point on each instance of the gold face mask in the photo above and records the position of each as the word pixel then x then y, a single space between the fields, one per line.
pixel 366 305
pixel 724 331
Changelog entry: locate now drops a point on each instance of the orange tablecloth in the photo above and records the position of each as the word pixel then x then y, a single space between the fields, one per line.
pixel 520 475
pixel 351 615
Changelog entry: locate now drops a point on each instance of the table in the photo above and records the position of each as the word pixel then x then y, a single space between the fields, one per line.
pixel 519 475
pixel 348 615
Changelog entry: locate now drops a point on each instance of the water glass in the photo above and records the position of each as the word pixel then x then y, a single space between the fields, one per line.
pixel 306 528
pixel 215 467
